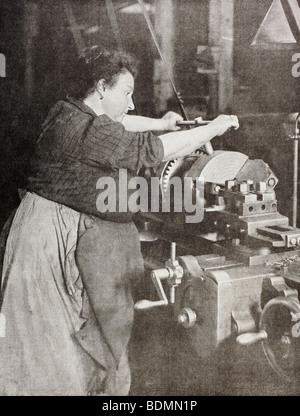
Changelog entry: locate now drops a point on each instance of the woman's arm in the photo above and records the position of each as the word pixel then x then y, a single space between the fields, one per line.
pixel 182 143
pixel 142 124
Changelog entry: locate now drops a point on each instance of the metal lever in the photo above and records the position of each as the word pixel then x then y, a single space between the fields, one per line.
pixel 296 138
pixel 251 338
pixel 208 148
pixel 145 305
pixel 157 276
pixel 199 122
pixel 193 123
pixel 173 273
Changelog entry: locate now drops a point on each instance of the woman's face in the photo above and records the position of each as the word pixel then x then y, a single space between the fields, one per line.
pixel 117 100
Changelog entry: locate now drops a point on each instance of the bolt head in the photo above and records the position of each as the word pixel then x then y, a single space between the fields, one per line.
pixel 293 241
pixel 182 318
pixel 261 187
pixel 229 184
pixel 272 182
pixel 187 317
pixel 243 188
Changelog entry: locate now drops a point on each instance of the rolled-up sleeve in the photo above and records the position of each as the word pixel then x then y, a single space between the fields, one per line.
pixel 108 144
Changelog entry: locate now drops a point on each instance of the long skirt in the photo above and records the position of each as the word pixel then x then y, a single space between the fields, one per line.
pixel 67 304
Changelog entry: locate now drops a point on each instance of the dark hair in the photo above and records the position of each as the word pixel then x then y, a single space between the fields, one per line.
pixel 95 64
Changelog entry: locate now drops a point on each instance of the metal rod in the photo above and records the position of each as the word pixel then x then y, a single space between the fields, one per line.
pixel 78 39
pixel 295 181
pixel 193 123
pixel 208 147
pixel 295 191
pixel 173 251
pixel 292 9
pixel 150 26
pixel 114 22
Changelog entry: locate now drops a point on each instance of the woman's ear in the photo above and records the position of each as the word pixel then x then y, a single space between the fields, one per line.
pixel 101 87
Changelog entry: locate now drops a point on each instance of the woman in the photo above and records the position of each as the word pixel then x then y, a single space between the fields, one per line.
pixel 69 269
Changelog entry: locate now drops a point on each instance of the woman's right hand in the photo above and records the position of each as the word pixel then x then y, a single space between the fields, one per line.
pixel 223 123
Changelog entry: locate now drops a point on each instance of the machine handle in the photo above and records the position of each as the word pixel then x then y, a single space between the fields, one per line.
pixel 199 122
pixel 251 337
pixel 172 271
pixel 193 122
pixel 156 276
pixel 144 305
pixel 208 148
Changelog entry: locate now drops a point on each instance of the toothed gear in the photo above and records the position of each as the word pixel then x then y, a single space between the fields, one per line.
pixel 168 172
pixel 176 167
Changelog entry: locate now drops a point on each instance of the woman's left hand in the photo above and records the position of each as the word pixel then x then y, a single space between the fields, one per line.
pixel 169 121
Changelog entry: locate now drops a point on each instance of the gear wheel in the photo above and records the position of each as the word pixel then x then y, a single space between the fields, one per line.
pixel 168 172
pixel 176 167
pixel 279 320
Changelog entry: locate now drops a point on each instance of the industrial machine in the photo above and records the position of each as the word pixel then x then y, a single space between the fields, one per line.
pixel 234 273
pixel 247 284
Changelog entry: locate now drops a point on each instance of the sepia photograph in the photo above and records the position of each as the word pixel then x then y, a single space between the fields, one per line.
pixel 149 200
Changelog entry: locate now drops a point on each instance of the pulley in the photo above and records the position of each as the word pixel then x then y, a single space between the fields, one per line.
pixel 280 320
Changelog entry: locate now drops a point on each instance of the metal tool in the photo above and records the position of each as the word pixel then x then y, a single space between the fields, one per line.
pixel 296 138
pixel 198 122
pixel 208 147
pixel 193 123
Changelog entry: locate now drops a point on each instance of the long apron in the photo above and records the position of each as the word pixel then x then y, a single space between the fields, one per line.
pixel 63 336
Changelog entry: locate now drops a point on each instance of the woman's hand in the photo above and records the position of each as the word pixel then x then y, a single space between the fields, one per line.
pixel 182 143
pixel 223 123
pixel 169 121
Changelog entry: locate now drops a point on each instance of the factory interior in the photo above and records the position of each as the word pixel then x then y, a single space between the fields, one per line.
pixel 221 336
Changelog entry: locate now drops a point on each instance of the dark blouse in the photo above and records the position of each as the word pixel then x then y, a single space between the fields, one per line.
pixel 77 147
